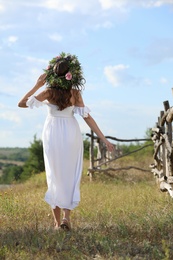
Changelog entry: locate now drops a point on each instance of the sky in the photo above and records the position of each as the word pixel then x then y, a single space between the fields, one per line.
pixel 125 48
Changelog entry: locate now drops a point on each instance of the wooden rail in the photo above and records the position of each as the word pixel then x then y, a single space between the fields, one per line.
pixel 104 158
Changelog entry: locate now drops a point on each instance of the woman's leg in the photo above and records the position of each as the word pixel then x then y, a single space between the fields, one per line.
pixel 57 216
pixel 65 224
pixel 66 214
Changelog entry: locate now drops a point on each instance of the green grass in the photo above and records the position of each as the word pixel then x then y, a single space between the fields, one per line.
pixel 120 217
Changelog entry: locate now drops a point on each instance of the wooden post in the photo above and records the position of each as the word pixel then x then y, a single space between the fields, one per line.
pixel 168 125
pixel 168 131
pixel 163 152
pixel 91 155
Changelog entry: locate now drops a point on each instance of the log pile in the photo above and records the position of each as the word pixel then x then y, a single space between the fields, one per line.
pixel 162 168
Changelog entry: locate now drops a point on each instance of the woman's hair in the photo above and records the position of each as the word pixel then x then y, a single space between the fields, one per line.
pixel 63 74
pixel 60 97
pixel 61 68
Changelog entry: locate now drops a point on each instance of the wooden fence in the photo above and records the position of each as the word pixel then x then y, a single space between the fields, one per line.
pixel 105 158
pixel 162 168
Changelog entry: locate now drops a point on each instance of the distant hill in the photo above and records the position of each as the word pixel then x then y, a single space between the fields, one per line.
pixel 15 154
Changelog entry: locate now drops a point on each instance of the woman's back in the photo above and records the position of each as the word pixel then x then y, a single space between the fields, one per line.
pixel 54 111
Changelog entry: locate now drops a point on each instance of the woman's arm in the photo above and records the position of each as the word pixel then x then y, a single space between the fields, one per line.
pixel 93 125
pixel 41 97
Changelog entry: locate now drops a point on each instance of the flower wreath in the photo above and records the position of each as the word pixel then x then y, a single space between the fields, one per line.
pixel 72 79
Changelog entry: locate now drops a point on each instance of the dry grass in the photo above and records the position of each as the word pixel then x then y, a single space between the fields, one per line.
pixel 125 217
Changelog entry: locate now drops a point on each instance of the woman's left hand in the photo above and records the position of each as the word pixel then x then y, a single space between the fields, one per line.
pixel 109 146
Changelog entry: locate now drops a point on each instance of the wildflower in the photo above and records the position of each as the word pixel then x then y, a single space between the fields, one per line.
pixel 68 76
pixel 58 58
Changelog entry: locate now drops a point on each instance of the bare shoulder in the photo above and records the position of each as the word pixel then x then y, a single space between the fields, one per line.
pixel 45 94
pixel 78 98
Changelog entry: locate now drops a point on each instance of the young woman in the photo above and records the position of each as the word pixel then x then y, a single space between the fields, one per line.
pixel 62 139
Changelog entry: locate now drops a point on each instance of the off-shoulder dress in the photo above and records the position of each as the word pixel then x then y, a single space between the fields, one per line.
pixel 63 153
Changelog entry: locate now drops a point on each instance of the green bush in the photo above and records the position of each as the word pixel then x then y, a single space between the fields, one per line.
pixel 35 162
pixel 11 174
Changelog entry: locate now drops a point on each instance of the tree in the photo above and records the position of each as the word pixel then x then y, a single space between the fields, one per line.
pixel 148 133
pixel 35 162
pixel 86 144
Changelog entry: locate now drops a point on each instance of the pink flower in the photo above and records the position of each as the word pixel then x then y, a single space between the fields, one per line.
pixel 48 68
pixel 68 76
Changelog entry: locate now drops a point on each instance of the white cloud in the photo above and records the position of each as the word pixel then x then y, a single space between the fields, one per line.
pixel 5 134
pixel 4 27
pixel 108 4
pixel 106 25
pixel 116 74
pixel 32 66
pixel 56 37
pixel 1 7
pixel 163 80
pixel 34 59
pixel 2 105
pixel 71 6
pixel 88 7
pixel 159 3
pixel 57 5
pixel 14 139
pixel 23 73
pixel 7 87
pixel 147 82
pixel 119 75
pixel 60 5
pixel 10 40
pixel 124 5
pixel 10 116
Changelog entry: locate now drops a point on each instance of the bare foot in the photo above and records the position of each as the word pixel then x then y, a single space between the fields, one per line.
pixel 57 227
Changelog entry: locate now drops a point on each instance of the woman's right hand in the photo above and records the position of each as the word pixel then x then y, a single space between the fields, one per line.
pixel 41 80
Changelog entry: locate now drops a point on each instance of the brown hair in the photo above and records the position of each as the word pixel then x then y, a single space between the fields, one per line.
pixel 61 68
pixel 60 97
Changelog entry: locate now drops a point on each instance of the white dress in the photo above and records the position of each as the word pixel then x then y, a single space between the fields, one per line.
pixel 63 154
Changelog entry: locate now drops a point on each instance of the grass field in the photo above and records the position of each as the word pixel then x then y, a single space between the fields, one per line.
pixel 120 217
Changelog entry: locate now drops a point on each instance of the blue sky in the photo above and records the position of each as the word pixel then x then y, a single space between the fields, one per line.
pixel 125 48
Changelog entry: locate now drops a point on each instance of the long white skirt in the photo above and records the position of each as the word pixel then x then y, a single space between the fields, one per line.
pixel 63 156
